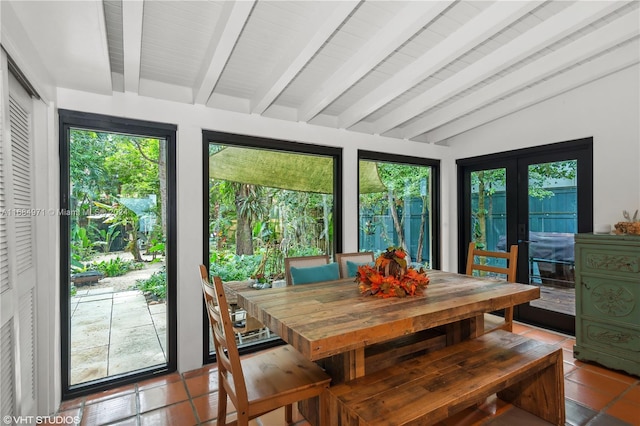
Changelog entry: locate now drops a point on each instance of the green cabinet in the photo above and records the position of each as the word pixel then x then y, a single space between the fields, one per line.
pixel 608 300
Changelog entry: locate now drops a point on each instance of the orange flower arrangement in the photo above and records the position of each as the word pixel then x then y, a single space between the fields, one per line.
pixel 390 277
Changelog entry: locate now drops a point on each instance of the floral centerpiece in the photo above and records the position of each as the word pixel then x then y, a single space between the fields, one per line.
pixel 390 276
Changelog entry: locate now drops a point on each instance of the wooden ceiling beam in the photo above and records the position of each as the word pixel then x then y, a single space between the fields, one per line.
pixel 228 28
pixel 486 24
pixel 132 43
pixel 571 19
pixel 404 25
pixel 302 51
pixel 604 38
pixel 607 64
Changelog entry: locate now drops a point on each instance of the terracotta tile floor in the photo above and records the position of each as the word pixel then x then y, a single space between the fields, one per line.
pixel 594 396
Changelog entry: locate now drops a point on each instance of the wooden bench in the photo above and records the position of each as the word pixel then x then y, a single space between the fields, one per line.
pixel 434 386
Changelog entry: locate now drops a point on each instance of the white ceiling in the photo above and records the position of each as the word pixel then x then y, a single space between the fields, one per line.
pixel 419 70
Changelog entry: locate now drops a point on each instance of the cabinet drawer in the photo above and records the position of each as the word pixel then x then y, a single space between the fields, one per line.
pixel 610 261
pixel 609 299
pixel 610 337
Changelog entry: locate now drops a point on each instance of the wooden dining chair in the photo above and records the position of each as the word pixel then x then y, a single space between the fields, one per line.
pixel 357 258
pixel 302 262
pixel 261 383
pixel 478 260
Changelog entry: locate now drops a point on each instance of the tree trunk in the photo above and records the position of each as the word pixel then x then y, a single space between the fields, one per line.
pixel 133 244
pixel 244 234
pixel 325 224
pixel 423 222
pixel 481 241
pixel 396 220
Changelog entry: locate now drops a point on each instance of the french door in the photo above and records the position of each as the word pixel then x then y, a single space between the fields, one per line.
pixel 537 198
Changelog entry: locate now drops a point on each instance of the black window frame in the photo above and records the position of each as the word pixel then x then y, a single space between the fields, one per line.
pixel 515 161
pixel 68 119
pixel 294 147
pixel 436 248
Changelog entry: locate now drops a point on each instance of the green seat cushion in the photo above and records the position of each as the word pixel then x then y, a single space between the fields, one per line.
pixel 352 267
pixel 314 274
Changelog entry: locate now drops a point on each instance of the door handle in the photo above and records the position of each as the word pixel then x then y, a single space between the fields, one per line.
pixel 522 232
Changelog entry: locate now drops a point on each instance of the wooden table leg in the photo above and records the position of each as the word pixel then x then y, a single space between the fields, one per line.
pixel 477 326
pixel 341 368
pixel 460 330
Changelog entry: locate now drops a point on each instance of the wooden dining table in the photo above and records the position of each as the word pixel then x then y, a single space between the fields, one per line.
pixel 333 321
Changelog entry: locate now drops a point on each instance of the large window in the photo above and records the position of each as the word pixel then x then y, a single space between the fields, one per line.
pixel 266 200
pixel 402 209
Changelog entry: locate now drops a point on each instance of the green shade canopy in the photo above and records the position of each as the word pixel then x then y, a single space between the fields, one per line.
pixel 285 170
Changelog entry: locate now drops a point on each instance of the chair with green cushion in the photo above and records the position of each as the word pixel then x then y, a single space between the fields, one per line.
pixel 349 262
pixel 314 274
pixel 302 262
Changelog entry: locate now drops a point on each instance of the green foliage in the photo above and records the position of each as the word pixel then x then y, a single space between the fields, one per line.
pixel 274 222
pixel 81 244
pixel 76 264
pixel 135 163
pixel 232 267
pixel 156 284
pixel 156 247
pixel 304 251
pixel 485 183
pixel 541 174
pixel 301 216
pixel 90 179
pixel 107 236
pixel 115 267
pixel 73 290
pixel 128 219
pixel 403 181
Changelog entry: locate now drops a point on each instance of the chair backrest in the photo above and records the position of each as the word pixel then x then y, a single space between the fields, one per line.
pixel 356 257
pixel 302 262
pixel 509 271
pixel 224 341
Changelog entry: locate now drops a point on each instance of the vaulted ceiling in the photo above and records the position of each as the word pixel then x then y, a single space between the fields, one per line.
pixel 418 70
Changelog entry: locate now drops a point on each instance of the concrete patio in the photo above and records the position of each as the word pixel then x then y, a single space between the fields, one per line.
pixel 114 332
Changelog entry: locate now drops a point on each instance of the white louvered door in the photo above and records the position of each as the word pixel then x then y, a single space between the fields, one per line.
pixel 17 253
pixel 7 326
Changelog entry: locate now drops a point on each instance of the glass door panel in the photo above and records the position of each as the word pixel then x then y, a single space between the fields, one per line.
pixel 117 235
pixel 489 212
pixel 553 221
pixel 488 209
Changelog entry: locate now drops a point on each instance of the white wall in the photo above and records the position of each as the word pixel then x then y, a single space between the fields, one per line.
pixel 607 110
pixel 190 120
